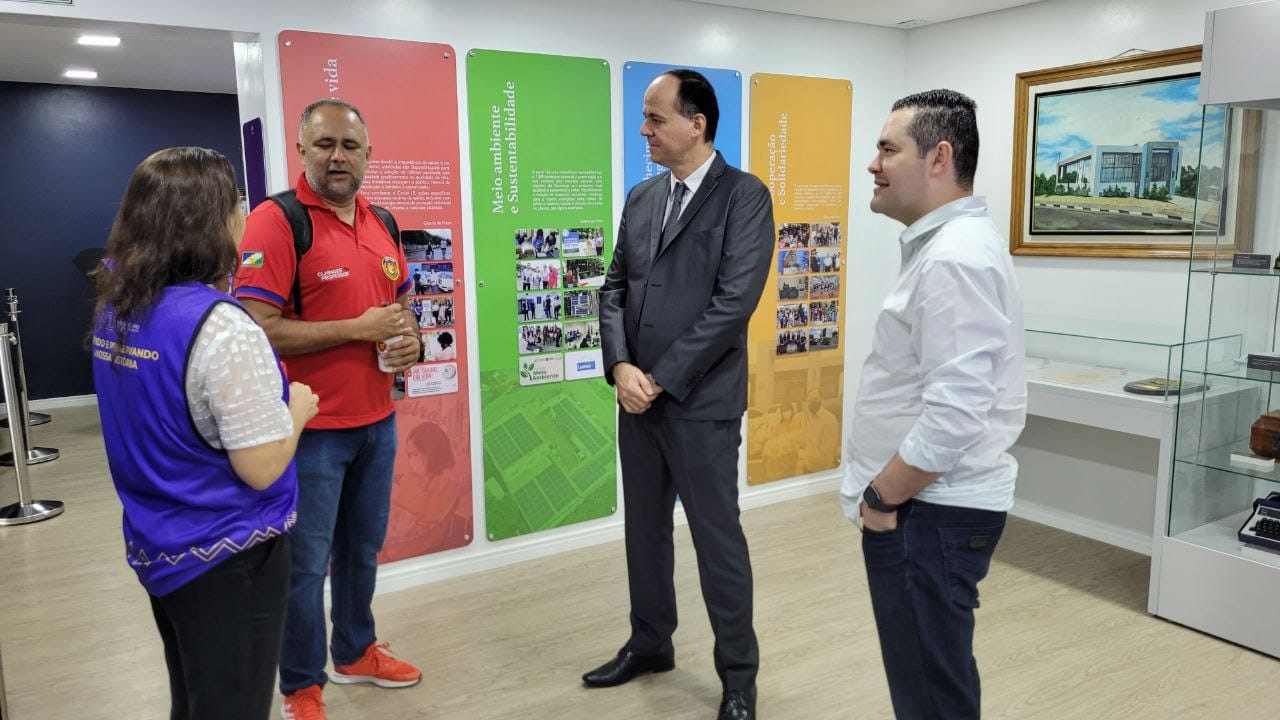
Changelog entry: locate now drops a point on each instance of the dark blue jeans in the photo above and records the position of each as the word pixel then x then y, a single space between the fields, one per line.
pixel 344 498
pixel 924 579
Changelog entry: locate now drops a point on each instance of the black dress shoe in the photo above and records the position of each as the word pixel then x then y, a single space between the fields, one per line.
pixel 627 665
pixel 738 705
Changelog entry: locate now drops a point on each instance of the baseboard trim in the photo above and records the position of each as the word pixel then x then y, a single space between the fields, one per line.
pixel 760 495
pixel 416 572
pixel 1078 525
pixel 57 402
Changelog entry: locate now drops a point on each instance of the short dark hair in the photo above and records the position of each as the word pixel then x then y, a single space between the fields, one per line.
pixel 696 95
pixel 171 228
pixel 329 102
pixel 950 116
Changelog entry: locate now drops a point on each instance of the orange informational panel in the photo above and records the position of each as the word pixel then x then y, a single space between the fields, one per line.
pixel 408 95
pixel 800 148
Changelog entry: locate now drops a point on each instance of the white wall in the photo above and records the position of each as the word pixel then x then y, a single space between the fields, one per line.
pixel 980 57
pixel 872 58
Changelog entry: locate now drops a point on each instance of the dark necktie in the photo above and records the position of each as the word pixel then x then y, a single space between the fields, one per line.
pixel 677 199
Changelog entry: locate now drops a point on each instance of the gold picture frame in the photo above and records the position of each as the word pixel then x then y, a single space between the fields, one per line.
pixel 1090 112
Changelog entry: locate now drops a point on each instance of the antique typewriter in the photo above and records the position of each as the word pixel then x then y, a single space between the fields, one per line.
pixel 1262 529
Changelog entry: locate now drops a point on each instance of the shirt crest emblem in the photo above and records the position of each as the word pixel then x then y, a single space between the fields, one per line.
pixel 391 267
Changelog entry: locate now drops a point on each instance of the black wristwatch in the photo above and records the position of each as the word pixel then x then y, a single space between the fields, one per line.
pixel 872 498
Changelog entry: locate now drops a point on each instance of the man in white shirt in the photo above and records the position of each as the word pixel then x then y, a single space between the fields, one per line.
pixel 942 398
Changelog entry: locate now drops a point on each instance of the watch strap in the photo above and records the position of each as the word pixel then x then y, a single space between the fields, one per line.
pixel 872 498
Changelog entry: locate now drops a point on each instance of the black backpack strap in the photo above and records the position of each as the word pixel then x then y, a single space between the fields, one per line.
pixel 300 223
pixel 389 222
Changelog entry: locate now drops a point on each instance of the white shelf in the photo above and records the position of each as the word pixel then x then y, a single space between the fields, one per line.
pixel 1094 397
pixel 1102 403
pixel 1090 378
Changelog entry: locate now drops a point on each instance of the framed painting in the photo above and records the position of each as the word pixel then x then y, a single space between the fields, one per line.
pixel 1107 157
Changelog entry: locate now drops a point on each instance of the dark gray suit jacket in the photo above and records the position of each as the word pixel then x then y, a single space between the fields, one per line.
pixel 679 310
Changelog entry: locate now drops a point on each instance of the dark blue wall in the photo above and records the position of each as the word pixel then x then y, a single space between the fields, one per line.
pixel 70 151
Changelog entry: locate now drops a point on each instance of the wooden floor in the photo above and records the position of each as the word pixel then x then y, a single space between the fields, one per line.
pixel 1062 632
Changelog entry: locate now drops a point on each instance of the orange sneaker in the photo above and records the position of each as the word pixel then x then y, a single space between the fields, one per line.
pixel 378 667
pixel 305 704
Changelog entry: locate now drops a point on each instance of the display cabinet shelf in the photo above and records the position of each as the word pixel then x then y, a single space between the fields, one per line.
pixel 1228 270
pixel 1220 536
pixel 1219 459
pixel 1240 373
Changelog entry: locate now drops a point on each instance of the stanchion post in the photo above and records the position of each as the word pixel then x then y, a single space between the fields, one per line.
pixel 25 510
pixel 4 704
pixel 35 455
pixel 33 418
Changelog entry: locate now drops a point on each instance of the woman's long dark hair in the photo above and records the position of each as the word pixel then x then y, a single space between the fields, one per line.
pixel 171 228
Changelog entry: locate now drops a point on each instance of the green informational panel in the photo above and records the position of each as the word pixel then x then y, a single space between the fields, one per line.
pixel 541 192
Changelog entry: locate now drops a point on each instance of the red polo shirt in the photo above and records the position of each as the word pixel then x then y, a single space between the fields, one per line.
pixel 348 270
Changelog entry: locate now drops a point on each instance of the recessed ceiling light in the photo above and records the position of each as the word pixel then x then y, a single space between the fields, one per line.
pixel 81 74
pixel 99 40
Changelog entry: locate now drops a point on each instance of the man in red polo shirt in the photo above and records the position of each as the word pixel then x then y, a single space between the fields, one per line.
pixel 354 286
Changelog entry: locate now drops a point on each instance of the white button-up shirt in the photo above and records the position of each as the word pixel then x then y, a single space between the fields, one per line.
pixel 691 184
pixel 944 386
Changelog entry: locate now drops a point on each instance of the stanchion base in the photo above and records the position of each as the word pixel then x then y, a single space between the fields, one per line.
pixel 16 514
pixel 33 419
pixel 35 456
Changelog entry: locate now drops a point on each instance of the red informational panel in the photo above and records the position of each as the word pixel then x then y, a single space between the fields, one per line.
pixel 408 94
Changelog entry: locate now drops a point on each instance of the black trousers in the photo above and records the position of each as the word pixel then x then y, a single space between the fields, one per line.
pixel 697 460
pixel 222 634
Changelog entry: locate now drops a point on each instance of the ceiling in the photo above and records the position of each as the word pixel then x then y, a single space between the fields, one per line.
pixel 889 13
pixel 153 57
pixel 39 49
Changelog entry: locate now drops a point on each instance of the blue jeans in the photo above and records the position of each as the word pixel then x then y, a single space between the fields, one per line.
pixel 344 498
pixel 924 579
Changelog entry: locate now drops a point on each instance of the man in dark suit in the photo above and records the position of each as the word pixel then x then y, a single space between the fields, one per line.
pixel 693 251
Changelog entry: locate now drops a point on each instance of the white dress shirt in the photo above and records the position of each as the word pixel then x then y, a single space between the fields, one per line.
pixel 691 184
pixel 944 385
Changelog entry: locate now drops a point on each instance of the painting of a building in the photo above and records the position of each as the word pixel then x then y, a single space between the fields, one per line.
pixel 1139 170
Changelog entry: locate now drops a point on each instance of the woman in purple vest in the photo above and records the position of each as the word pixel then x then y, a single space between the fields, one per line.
pixel 200 432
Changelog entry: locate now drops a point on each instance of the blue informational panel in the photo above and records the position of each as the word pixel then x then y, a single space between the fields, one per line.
pixel 636 76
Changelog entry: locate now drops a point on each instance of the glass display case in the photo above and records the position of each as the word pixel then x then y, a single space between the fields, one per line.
pixel 1127 359
pixel 1208 570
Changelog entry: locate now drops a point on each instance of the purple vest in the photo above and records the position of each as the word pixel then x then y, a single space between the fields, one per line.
pixel 185 509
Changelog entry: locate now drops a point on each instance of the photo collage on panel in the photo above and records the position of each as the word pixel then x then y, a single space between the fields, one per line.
pixel 430 257
pixel 558 275
pixel 808 277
